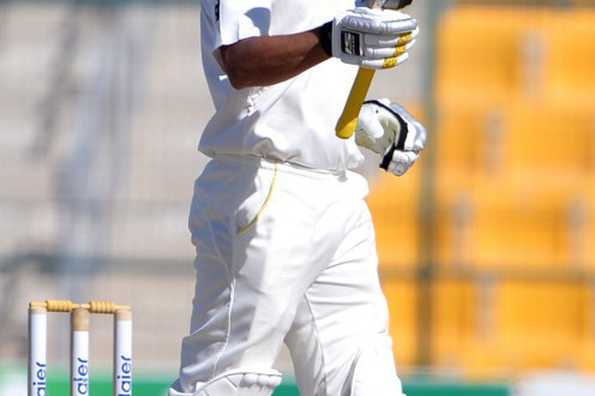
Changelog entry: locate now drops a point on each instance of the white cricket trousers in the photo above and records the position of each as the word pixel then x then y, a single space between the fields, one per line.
pixel 287 254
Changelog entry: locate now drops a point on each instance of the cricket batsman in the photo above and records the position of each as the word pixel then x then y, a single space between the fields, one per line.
pixel 285 246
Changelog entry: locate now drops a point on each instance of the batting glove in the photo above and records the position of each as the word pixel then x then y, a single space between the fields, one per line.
pixel 389 130
pixel 370 38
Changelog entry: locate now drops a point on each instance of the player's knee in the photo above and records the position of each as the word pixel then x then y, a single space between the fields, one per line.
pixel 373 371
pixel 237 382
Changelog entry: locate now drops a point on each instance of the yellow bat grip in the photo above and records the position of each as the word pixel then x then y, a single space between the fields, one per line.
pixel 348 120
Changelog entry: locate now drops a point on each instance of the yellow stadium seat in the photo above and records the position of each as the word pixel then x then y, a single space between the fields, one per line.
pixel 555 139
pixel 542 323
pixel 402 302
pixel 514 224
pixel 516 52
pixel 455 321
pixel 468 145
pixel 570 58
pixel 509 191
pixel 581 3
pixel 525 137
pixel 584 233
pixel 528 325
pixel 500 327
pixel 393 202
pixel 482 52
pixel 460 141
pixel 587 357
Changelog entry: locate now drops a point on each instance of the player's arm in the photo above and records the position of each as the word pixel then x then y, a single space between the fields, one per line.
pixel 364 37
pixel 262 61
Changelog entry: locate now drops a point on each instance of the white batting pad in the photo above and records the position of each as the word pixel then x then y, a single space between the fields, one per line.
pixel 237 383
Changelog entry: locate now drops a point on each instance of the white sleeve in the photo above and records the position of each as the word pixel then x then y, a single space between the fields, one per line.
pixel 235 20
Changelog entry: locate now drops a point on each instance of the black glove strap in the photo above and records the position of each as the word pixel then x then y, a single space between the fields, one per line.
pixel 325 35
pixel 388 157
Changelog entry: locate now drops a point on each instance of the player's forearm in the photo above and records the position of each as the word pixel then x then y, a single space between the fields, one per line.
pixel 262 61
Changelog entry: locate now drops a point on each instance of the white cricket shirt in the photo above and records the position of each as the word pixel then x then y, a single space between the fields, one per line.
pixel 292 121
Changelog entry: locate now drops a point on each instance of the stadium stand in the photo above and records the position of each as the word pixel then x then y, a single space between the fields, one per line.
pixel 515 224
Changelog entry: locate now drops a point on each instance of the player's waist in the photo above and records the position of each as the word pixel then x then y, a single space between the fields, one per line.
pixel 284 166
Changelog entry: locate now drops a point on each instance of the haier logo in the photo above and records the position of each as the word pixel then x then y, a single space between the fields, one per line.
pixel 124 377
pixel 39 379
pixel 80 380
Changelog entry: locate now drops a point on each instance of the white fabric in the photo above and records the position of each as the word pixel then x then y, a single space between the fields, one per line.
pixel 370 37
pixel 291 121
pixel 373 373
pixel 285 253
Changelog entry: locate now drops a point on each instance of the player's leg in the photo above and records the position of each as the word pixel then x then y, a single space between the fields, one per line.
pixel 212 364
pixel 250 276
pixel 339 341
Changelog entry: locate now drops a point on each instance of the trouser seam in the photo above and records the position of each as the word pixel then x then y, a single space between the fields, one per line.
pixel 228 330
pixel 316 329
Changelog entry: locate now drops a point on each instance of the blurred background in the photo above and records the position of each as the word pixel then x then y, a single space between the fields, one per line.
pixel 487 247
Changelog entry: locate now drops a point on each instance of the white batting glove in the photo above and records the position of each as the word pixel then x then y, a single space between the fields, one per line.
pixel 370 38
pixel 389 130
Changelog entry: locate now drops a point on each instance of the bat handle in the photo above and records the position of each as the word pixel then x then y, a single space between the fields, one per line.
pixel 348 120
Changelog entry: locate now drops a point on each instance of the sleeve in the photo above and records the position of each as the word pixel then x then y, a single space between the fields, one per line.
pixel 235 20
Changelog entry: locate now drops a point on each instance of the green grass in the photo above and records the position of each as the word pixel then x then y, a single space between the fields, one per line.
pixel 148 384
pixel 143 386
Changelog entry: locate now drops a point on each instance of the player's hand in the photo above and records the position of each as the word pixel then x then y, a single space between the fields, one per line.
pixel 372 38
pixel 389 130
